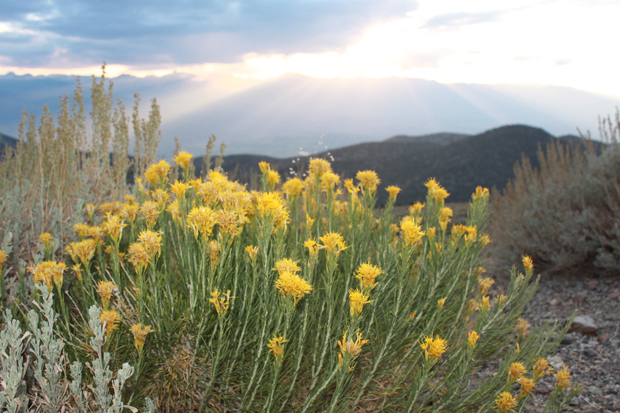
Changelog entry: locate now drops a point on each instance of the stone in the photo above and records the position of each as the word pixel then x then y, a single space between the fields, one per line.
pixel 595 390
pixel 556 361
pixel 584 324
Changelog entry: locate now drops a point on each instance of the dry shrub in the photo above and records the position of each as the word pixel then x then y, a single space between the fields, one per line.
pixel 564 213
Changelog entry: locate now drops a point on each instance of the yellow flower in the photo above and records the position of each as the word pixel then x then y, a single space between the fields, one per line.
pixel 527 385
pixel 368 180
pixel 151 241
pixel 412 232
pixel 367 273
pixel 481 193
pixel 110 319
pixel 175 211
pixel 82 251
pixel 433 347
pixel 523 327
pixel 229 221
pixel 293 187
pixel 349 349
pixel 541 369
pixel 3 258
pixel 516 371
pixel 81 230
pixel 139 256
pixel 357 299
pixel 353 190
pixel 77 269
pixel 157 172
pixel 441 303
pixel 436 191
pixel 484 284
pixel 183 159
pixel 319 166
pixel 275 346
pixel 287 264
pixel 563 377
pixel 328 181
pixel 201 221
pixel 113 226
pixel 264 167
pixel 105 289
pixel 273 178
pixel 50 272
pixel 161 197
pixel 472 339
pixel 150 212
pixel 270 206
pixel 313 249
pixel 292 284
pixel 47 240
pixel 90 210
pixel 333 242
pixel 220 301
pixel 139 335
pixel 130 211
pixel 484 304
pixel 528 264
pixel 252 251
pixel 505 402
pixel 179 189
pixel 501 299
pixel 416 208
pixel 393 191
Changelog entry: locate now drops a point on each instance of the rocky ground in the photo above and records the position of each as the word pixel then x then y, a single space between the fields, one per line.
pixel 592 349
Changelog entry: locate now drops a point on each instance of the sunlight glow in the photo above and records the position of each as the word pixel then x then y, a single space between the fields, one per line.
pixel 556 42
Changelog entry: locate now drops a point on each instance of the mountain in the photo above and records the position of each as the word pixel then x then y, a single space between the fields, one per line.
pixel 295 114
pixel 289 115
pixel 459 162
pixel 7 141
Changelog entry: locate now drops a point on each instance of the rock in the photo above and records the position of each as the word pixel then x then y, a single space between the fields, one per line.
pixel 590 353
pixel 584 324
pixel 568 339
pixel 580 298
pixel 556 361
pixel 595 390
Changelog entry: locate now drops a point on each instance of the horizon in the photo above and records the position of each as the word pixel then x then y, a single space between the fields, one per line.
pixel 514 62
pixel 482 42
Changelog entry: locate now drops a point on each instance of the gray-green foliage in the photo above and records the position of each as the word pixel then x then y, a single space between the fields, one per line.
pixel 13 343
pixel 565 213
pixel 42 351
pixel 60 164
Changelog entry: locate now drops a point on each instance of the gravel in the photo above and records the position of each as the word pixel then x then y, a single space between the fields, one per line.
pixel 592 356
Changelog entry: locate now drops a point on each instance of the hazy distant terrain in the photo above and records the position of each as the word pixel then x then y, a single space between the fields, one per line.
pixel 280 117
pixel 459 162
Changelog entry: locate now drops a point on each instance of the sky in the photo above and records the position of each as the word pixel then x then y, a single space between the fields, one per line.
pixel 548 42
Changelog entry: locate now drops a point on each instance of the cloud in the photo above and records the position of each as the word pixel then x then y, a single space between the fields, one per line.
pixel 184 31
pixel 457 20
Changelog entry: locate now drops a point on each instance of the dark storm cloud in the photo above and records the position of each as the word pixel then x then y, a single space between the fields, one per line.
pixel 185 31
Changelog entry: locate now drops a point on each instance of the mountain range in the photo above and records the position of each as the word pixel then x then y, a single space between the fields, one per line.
pixel 295 114
pixel 459 162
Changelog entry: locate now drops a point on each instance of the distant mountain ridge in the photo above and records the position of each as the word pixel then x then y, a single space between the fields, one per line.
pixel 459 162
pixel 6 140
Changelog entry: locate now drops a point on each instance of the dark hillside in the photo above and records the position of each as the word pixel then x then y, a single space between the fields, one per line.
pixel 7 141
pixel 458 162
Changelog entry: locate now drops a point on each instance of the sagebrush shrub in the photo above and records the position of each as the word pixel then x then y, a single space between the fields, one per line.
pixel 565 213
pixel 62 164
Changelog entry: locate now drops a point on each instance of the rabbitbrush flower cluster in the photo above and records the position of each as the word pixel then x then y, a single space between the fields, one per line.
pixel 300 297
